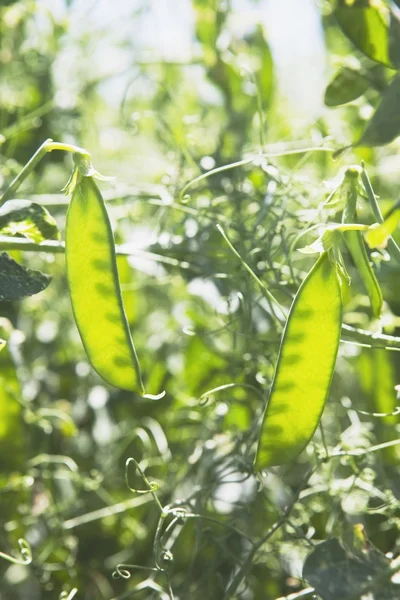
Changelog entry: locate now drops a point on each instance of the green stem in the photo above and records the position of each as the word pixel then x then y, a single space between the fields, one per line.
pixel 297 595
pixel 47 146
pixel 9 243
pixel 363 451
pixel 352 335
pixel 255 158
pixel 271 297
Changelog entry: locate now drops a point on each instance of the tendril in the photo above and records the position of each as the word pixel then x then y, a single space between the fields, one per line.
pixel 151 486
pixel 25 552
pixel 123 571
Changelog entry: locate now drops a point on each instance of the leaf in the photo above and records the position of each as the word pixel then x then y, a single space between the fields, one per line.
pixel 378 234
pixel 27 219
pixel 384 125
pixel 394 40
pixel 346 85
pixel 365 23
pixel 17 281
pixel 338 573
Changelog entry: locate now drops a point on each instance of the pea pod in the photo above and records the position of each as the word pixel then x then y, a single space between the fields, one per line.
pixel 356 244
pixel 305 367
pixel 95 289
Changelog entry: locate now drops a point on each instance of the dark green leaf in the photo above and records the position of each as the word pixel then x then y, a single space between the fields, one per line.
pixel 338 573
pixel 394 40
pixel 27 219
pixel 384 125
pixel 365 23
pixel 345 86
pixel 17 281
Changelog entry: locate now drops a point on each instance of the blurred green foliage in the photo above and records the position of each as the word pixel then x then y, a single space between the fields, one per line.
pixel 204 329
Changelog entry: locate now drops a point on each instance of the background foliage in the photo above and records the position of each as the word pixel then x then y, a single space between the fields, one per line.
pixel 157 114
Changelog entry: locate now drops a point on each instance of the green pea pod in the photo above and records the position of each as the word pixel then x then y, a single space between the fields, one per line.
pixel 95 289
pixel 356 244
pixel 305 367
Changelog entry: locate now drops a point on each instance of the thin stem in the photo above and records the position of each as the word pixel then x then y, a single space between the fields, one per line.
pixel 237 580
pixel 270 296
pixel 297 595
pixel 48 146
pixel 367 339
pixel 70 595
pixel 54 247
pixel 363 451
pixel 23 174
pixel 204 397
pixel 239 163
pixel 241 573
pixel 254 158
pixel 102 513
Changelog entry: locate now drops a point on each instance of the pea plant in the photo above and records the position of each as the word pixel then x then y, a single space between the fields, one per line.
pixel 248 451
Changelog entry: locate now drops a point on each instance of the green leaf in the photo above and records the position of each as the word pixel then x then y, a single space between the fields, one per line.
pixel 27 219
pixel 17 282
pixel 365 23
pixel 378 234
pixel 384 125
pixel 338 573
pixel 394 40
pixel 346 85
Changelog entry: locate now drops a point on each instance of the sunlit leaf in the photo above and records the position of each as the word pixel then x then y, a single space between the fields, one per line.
pixel 378 234
pixel 27 219
pixel 365 23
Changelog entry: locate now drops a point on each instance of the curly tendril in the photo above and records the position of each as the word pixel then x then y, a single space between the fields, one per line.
pixel 25 552
pixel 151 486
pixel 123 571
